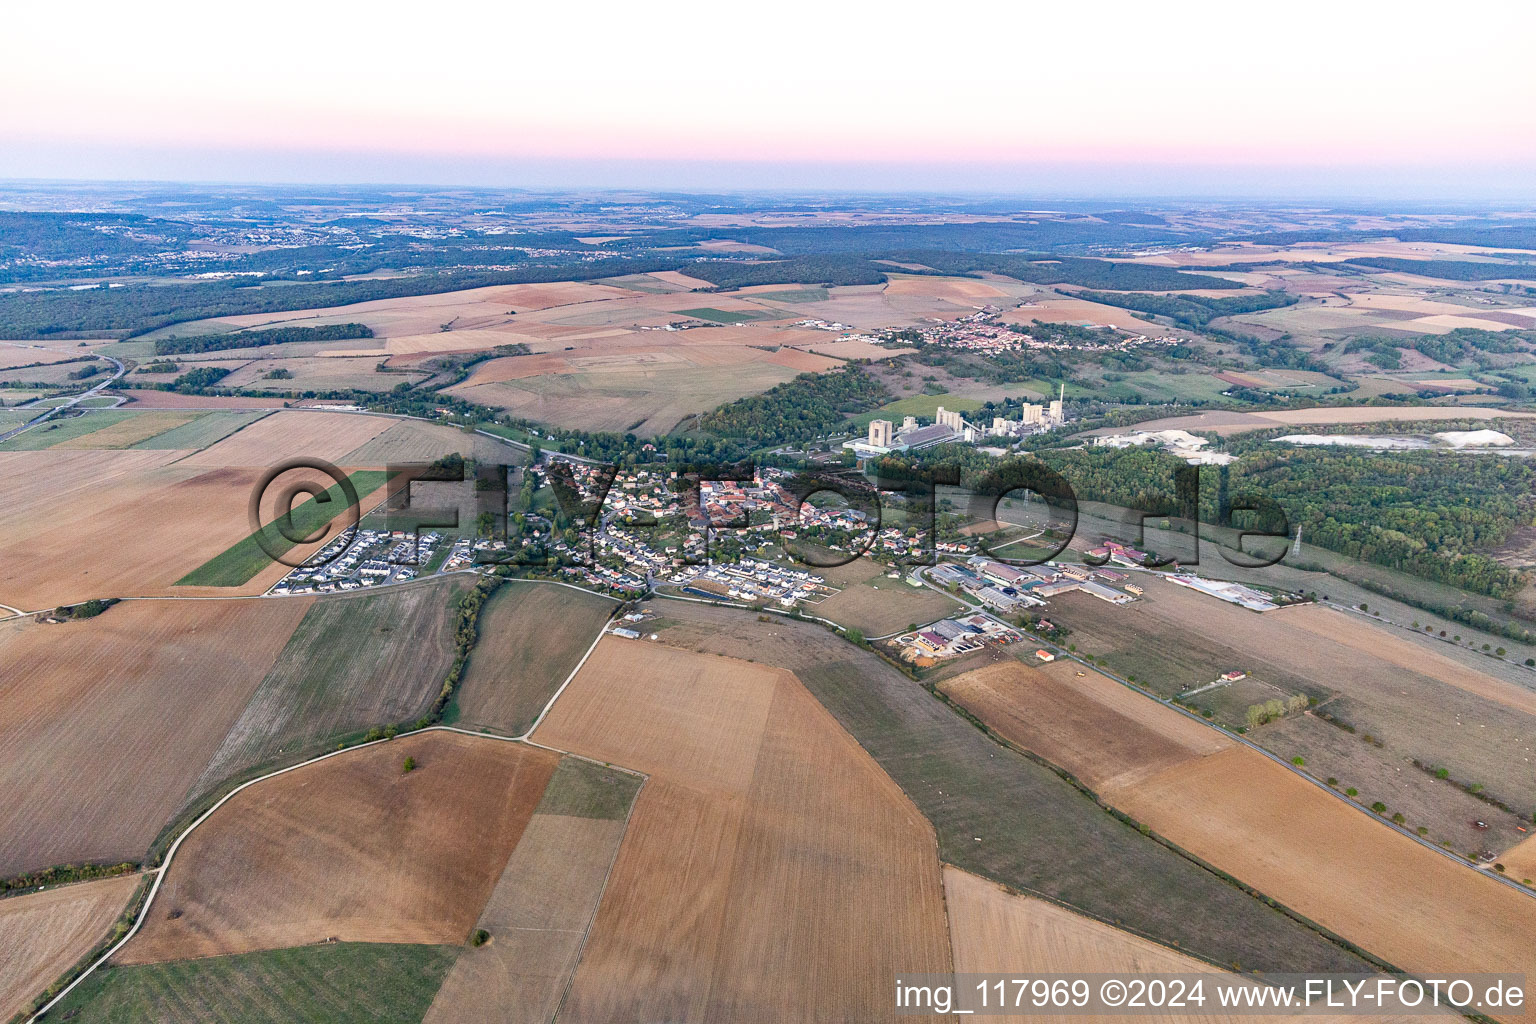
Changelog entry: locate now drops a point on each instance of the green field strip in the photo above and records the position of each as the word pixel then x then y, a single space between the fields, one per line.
pixel 237 565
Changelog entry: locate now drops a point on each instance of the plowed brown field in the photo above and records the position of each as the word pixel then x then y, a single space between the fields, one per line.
pixel 77 525
pixel 43 934
pixel 352 848
pixel 996 931
pixel 104 723
pixel 1100 731
pixel 756 880
pixel 1274 830
pixel 290 434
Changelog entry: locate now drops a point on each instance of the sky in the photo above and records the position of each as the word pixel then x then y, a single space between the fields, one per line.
pixel 1339 98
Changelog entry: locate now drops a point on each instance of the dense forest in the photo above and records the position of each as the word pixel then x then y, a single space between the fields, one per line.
pixel 823 270
pixel 1192 311
pixel 1450 270
pixel 1489 233
pixel 1435 515
pixel 138 309
pixel 1086 273
pixel 810 406
pixel 260 338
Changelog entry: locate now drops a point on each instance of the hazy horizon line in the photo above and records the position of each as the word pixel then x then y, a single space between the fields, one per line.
pixel 556 178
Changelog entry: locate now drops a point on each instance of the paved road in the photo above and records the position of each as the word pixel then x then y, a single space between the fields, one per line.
pixel 53 409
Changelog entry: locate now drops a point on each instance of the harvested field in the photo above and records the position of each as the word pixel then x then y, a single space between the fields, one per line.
pixel 1039 834
pixel 876 604
pixel 43 934
pixel 145 399
pixel 995 931
pixel 401 857
pixel 339 983
pixel 857 350
pixel 1520 861
pixel 763 849
pixel 127 433
pixel 1100 731
pixel 425 314
pixel 409 441
pixel 353 663
pixel 540 910
pixel 21 355
pixel 321 516
pixel 531 636
pixel 643 397
pixel 63 428
pixel 1268 826
pixel 1053 308
pixel 680 279
pixel 1400 691
pixel 82 524
pixel 315 373
pixel 951 289
pixel 87 706
pixel 199 432
pixel 52 374
pixel 292 433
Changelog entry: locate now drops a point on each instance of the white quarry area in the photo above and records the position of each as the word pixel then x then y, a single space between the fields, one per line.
pixel 1176 442
pixel 1371 441
pixel 1474 438
pixel 1376 442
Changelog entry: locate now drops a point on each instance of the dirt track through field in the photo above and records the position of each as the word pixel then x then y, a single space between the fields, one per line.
pixel 537 917
pixel 353 848
pixel 43 934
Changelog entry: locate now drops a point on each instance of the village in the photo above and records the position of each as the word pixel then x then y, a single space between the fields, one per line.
pixel 366 557
pixel 737 544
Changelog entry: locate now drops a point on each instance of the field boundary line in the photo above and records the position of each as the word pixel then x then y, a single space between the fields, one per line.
pixel 1288 766
pixel 164 867
pixel 556 696
pixel 597 905
pixel 771 611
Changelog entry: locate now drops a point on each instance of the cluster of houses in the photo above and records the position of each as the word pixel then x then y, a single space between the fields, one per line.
pixel 754 580
pixel 361 558
pixel 460 556
pixel 607 578
pixel 1114 551
pixel 981 331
